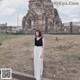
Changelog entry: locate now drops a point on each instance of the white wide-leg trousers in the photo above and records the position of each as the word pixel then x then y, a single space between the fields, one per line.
pixel 38 63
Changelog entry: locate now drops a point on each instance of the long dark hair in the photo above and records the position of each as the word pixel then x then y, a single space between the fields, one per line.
pixel 40 33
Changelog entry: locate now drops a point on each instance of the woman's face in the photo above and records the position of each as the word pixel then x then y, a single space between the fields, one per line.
pixel 37 34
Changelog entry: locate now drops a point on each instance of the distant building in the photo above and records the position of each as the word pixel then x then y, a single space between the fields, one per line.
pixel 13 29
pixel 3 27
pixel 9 29
pixel 75 27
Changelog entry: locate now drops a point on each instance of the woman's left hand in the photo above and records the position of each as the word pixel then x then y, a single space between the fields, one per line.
pixel 41 56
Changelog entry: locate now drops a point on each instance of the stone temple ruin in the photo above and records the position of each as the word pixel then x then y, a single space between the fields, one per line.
pixel 41 15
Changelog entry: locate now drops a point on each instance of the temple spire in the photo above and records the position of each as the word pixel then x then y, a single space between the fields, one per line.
pixel 47 0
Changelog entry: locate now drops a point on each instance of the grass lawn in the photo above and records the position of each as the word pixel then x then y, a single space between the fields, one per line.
pixel 7 36
pixel 61 58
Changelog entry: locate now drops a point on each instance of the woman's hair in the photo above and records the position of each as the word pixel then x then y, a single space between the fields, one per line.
pixel 40 33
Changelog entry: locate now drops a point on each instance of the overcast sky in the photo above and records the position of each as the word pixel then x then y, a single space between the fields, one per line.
pixel 10 8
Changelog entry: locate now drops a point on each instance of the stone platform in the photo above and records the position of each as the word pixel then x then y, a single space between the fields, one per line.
pixel 22 76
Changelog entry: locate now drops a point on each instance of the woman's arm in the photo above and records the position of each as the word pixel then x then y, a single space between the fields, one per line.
pixel 43 43
pixel 33 44
pixel 43 48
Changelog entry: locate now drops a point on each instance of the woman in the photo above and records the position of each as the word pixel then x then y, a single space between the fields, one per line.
pixel 38 55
